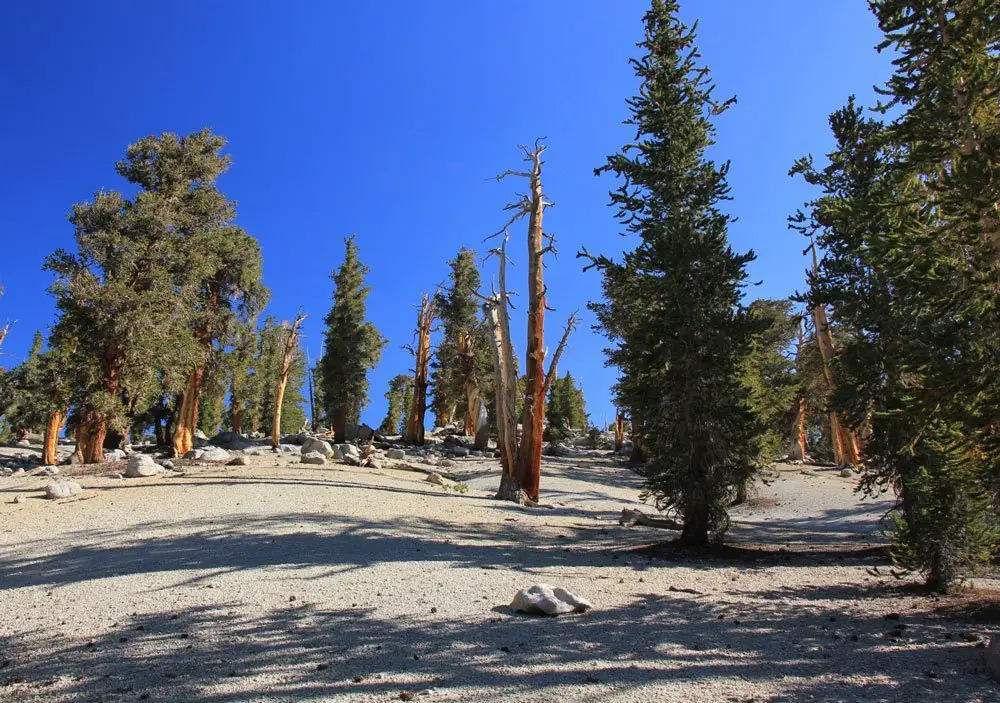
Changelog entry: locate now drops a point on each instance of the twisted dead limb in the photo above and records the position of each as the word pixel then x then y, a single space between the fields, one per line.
pixel 522 475
pixel 286 368
pixel 422 354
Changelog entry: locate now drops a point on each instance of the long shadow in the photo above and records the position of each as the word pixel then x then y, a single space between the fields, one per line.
pixel 792 648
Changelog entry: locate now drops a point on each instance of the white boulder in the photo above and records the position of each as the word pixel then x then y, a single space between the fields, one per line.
pixel 542 598
pixel 216 454
pixel 313 458
pixel 141 466
pixel 313 444
pixel 62 489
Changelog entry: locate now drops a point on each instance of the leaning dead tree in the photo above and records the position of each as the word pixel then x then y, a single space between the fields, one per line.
pixel 522 461
pixel 283 373
pixel 846 445
pixel 422 355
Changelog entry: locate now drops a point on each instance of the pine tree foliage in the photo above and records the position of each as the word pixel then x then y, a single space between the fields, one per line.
pixel 769 373
pixel 673 305
pixel 567 409
pixel 400 397
pixel 461 365
pixel 908 225
pixel 353 346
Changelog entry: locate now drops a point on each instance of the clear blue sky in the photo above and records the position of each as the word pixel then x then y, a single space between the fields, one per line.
pixel 386 119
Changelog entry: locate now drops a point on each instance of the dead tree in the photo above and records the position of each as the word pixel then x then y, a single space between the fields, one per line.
pixel 422 355
pixel 846 446
pixel 522 474
pixel 284 371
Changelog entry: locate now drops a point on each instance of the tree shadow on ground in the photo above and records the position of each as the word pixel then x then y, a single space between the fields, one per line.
pixel 782 649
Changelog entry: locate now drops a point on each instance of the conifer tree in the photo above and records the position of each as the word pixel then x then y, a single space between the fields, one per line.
pixel 769 373
pixel 400 396
pixel 353 346
pixel 461 367
pixel 908 224
pixel 684 341
pixel 566 408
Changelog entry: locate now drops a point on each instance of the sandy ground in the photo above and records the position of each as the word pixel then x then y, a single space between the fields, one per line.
pixel 284 582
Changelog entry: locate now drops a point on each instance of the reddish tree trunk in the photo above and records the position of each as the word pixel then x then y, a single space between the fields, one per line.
pixel 619 430
pixel 422 354
pixel 187 416
pixel 52 429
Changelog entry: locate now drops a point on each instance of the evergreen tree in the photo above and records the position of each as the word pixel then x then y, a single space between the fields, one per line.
pixel 769 373
pixel 686 336
pixel 400 396
pixel 353 346
pixel 567 409
pixel 461 367
pixel 908 224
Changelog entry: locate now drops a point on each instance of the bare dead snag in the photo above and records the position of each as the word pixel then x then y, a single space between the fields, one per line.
pixel 846 446
pixel 529 453
pixel 554 364
pixel 505 381
pixel 4 331
pixel 52 429
pixel 284 371
pixel 422 355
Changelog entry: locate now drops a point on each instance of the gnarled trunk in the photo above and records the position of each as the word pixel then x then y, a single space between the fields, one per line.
pixel 187 416
pixel 422 355
pixel 52 429
pixel 285 370
pixel 619 430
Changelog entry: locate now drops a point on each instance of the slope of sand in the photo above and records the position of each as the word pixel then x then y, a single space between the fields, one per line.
pixel 283 582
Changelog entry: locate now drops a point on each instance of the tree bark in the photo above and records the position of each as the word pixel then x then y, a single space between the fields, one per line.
pixel 187 417
pixel 619 430
pixel 422 354
pixel 533 419
pixel 52 429
pixel 505 384
pixel 846 446
pixel 286 368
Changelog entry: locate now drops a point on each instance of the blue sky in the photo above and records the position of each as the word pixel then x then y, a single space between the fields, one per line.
pixel 386 120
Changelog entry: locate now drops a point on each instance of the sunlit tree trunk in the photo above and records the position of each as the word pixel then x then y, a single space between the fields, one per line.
pixel 619 430
pixel 422 355
pixel 52 429
pixel 285 370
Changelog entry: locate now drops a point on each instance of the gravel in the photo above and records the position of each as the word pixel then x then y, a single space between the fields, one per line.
pixel 275 582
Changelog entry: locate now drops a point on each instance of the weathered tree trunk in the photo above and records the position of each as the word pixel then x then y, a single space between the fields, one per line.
pixel 90 440
pixel 505 384
pixel 422 355
pixel 482 436
pixel 533 419
pixel 187 417
pixel 800 429
pixel 286 368
pixel 619 430
pixel 237 414
pixel 4 331
pixel 846 446
pixel 526 477
pixel 52 429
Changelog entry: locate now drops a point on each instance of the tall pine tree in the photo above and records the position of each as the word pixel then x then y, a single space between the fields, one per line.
pixel 353 346
pixel 684 342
